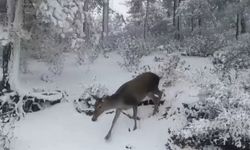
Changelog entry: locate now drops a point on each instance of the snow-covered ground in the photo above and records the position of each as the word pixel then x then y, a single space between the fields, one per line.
pixel 62 128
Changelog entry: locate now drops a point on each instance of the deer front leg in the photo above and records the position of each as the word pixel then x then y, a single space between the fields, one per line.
pixel 135 117
pixel 129 116
pixel 156 106
pixel 156 96
pixel 117 114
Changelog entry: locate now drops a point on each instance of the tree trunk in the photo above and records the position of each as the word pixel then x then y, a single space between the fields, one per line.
pixel 192 24
pixel 11 12
pixel 237 26
pixel 178 28
pixel 178 36
pixel 86 20
pixel 174 12
pixel 105 19
pixel 243 24
pixel 16 38
pixel 15 23
pixel 145 31
pixel 5 86
pixel 200 24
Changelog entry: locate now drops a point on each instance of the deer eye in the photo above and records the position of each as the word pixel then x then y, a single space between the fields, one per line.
pixel 99 106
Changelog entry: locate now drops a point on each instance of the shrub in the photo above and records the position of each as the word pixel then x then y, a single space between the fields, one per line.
pixel 132 50
pixel 219 118
pixel 234 56
pixel 166 69
pixel 203 46
pixel 9 114
pixel 7 133
pixel 85 104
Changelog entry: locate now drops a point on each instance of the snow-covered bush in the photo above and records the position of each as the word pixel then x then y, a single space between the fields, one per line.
pixel 166 69
pixel 200 45
pixel 7 134
pixel 58 27
pixel 13 107
pixel 219 118
pixel 86 53
pixel 132 49
pixel 46 44
pixel 86 101
pixel 10 112
pixel 172 46
pixel 234 56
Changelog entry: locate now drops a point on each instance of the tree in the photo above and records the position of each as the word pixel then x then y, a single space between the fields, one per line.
pixel 86 25
pixel 105 21
pixel 136 12
pixel 194 11
pixel 145 30
pixel 240 6
pixel 174 12
pixel 11 53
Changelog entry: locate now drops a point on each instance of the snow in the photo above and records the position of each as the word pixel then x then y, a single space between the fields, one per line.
pixel 119 6
pixel 61 127
pixel 68 129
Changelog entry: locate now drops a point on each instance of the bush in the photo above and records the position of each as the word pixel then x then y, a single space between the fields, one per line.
pixel 219 118
pixel 166 69
pixel 234 56
pixel 203 46
pixel 9 114
pixel 7 133
pixel 132 50
pixel 13 107
pixel 85 104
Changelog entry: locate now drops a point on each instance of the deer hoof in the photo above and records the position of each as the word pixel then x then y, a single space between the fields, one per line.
pixel 107 137
pixel 155 112
pixel 135 128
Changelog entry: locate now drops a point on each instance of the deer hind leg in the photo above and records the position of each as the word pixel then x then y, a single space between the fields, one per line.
pixel 129 116
pixel 156 97
pixel 117 114
pixel 135 117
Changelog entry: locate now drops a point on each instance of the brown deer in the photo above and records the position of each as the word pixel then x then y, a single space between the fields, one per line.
pixel 129 95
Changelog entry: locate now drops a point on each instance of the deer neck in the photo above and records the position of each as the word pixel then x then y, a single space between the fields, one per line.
pixel 114 101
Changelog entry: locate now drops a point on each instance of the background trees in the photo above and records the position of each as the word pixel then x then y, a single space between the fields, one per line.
pixel 58 26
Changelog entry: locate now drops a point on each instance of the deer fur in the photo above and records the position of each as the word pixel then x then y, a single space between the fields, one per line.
pixel 129 95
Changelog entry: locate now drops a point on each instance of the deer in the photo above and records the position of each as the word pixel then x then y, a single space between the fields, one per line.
pixel 129 95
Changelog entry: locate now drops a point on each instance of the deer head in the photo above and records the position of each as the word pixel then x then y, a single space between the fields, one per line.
pixel 101 105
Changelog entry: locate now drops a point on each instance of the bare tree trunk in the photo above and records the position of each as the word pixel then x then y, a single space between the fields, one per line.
pixel 178 35
pixel 16 38
pixel 237 26
pixel 174 12
pixel 86 20
pixel 5 86
pixel 145 32
pixel 11 12
pixel 105 19
pixel 200 24
pixel 192 24
pixel 15 24
pixel 243 23
pixel 178 28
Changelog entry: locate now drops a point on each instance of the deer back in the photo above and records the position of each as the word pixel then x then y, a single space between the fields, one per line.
pixel 133 91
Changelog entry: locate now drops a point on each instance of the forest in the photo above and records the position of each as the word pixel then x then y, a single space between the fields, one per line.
pixel 59 57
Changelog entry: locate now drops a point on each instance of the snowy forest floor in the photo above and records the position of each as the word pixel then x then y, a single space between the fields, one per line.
pixel 61 127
